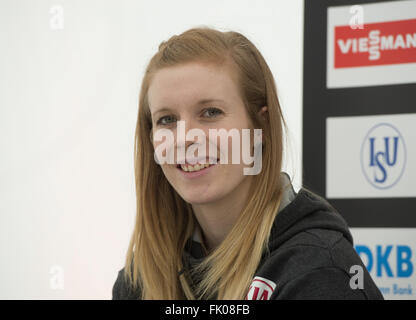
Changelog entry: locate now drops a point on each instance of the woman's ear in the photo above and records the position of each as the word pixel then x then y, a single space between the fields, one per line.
pixel 263 112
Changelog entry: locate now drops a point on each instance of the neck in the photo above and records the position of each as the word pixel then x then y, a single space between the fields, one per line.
pixel 216 219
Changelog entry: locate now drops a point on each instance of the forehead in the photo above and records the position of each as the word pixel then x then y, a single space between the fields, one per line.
pixel 184 84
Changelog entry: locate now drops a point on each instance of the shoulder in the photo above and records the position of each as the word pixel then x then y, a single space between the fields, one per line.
pixel 306 251
pixel 122 290
pixel 316 264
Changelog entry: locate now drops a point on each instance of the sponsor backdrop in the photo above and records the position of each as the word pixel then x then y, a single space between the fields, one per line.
pixel 359 128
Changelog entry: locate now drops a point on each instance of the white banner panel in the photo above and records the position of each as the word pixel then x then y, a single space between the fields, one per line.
pixel 371 156
pixel 371 44
pixel 389 255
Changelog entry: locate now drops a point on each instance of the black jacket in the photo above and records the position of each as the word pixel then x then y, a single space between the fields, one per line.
pixel 311 256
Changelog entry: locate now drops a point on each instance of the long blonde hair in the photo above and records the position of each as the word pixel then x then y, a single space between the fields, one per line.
pixel 164 221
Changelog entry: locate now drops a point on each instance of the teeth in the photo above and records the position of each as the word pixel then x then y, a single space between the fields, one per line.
pixel 196 167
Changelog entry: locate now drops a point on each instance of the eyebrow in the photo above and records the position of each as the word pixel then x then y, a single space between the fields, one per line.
pixel 200 102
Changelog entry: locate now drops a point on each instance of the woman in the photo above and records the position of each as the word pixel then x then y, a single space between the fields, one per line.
pixel 212 231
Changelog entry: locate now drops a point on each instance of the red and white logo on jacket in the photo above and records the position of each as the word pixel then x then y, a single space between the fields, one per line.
pixel 260 289
pixel 382 43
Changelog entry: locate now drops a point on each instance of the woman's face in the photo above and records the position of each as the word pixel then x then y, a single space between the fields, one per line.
pixel 204 96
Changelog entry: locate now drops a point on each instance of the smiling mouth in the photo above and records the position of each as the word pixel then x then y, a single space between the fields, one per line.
pixel 195 167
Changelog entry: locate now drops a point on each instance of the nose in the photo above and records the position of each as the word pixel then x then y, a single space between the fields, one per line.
pixel 184 126
pixel 188 132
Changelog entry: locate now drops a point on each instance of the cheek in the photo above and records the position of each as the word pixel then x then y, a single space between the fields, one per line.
pixel 169 172
pixel 164 150
pixel 238 151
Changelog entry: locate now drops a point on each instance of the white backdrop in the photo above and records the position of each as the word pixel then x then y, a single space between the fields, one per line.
pixel 70 73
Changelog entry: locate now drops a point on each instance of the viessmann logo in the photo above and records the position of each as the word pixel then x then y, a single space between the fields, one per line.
pixel 382 43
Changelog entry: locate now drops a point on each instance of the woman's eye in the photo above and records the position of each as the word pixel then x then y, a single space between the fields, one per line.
pixel 165 120
pixel 212 112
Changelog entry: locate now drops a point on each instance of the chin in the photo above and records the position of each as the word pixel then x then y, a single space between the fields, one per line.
pixel 198 198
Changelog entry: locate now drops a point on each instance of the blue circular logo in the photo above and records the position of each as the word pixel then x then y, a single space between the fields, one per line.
pixel 383 156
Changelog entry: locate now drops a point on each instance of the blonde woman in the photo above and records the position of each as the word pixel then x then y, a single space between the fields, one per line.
pixel 210 231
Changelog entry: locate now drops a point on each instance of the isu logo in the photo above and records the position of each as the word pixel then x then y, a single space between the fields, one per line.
pixel 382 43
pixel 260 289
pixel 383 156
